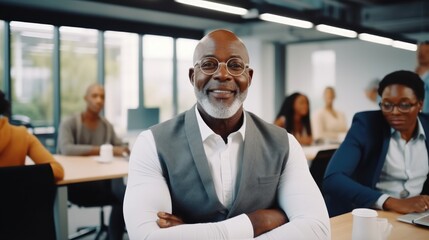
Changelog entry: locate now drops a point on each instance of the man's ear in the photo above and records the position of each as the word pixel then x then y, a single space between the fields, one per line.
pixel 250 77
pixel 191 75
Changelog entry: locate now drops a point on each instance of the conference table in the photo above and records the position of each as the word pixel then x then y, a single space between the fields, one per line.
pixel 79 169
pixel 341 227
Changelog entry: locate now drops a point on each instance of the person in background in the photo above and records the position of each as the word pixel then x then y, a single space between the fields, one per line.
pixel 383 161
pixel 82 135
pixel 422 70
pixel 16 143
pixel 328 124
pixel 294 116
pixel 217 171
pixel 371 93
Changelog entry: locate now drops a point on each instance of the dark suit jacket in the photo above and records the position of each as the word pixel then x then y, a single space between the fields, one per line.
pixel 355 168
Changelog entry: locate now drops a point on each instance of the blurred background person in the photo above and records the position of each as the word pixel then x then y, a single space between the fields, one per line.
pixel 328 124
pixel 16 143
pixel 82 135
pixel 422 70
pixel 372 94
pixel 294 116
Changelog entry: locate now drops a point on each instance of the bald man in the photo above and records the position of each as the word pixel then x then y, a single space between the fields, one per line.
pixel 82 135
pixel 217 171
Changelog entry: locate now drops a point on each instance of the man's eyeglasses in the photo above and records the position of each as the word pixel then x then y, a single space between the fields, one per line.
pixel 403 107
pixel 234 66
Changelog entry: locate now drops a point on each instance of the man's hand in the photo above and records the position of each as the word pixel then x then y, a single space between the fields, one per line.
pixel 407 205
pixel 121 151
pixel 265 220
pixel 168 220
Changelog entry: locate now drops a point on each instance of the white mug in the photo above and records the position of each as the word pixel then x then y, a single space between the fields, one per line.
pixel 106 153
pixel 366 225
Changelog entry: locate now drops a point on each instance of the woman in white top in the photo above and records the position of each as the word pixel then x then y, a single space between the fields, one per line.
pixel 328 124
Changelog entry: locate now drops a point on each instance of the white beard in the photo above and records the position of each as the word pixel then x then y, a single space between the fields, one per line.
pixel 220 110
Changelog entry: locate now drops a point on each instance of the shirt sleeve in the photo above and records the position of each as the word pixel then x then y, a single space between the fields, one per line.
pixel 147 193
pixel 380 201
pixel 301 200
pixel 39 154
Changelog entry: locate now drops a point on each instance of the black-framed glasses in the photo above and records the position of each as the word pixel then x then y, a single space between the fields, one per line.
pixel 234 66
pixel 403 107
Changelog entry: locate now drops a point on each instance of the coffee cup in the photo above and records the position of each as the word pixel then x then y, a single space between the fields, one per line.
pixel 106 153
pixel 367 226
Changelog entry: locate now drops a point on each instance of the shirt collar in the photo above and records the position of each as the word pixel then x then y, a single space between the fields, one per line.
pixel 206 131
pixel 420 131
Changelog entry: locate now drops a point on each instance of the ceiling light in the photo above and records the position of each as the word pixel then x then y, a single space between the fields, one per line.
pixel 286 20
pixel 214 6
pixel 336 30
pixel 405 45
pixel 375 39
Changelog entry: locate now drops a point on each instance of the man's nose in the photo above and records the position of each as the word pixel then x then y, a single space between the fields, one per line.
pixel 222 73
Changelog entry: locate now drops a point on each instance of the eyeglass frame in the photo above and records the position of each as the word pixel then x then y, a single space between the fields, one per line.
pixel 246 66
pixel 398 107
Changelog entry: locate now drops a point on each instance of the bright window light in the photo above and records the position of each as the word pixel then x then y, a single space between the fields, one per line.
pixel 405 45
pixel 336 30
pixel 286 20
pixel 215 6
pixel 375 39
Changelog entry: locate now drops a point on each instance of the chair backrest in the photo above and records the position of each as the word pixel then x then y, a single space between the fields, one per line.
pixel 91 194
pixel 319 164
pixel 27 202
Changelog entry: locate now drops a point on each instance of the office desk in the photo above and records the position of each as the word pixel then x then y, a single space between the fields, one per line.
pixel 77 170
pixel 341 227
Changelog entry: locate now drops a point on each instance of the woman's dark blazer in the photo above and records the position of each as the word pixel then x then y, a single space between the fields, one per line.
pixel 355 168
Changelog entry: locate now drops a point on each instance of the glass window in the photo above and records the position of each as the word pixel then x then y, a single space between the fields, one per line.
pixel 185 51
pixel 158 74
pixel 121 67
pixel 31 71
pixel 1 53
pixel 78 51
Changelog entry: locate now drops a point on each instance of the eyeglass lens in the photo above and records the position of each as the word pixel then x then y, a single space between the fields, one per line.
pixel 234 66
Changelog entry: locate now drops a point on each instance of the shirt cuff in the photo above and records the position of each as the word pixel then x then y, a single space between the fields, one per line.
pixel 239 227
pixel 380 201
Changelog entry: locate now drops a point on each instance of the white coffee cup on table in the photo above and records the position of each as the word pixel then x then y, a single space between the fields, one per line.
pixel 106 153
pixel 367 226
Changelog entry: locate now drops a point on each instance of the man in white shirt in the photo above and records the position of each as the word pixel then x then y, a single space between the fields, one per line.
pixel 218 172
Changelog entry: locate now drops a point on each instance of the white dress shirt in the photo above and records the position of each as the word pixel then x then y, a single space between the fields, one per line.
pixel 406 167
pixel 147 193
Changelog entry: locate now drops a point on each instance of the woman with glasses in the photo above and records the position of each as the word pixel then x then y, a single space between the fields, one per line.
pixel 383 161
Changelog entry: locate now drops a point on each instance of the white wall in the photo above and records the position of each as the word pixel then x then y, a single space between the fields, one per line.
pixel 260 98
pixel 357 63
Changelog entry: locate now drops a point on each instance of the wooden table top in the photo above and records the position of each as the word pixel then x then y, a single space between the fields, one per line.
pixel 83 169
pixel 341 227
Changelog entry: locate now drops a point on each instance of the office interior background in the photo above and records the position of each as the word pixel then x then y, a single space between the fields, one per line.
pixel 51 50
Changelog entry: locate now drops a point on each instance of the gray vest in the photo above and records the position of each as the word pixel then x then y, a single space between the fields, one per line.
pixel 186 170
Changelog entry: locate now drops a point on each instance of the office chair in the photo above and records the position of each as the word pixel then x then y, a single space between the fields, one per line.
pixel 91 194
pixel 27 202
pixel 319 164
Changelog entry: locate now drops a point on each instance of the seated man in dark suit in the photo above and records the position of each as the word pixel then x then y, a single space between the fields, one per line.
pixel 383 161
